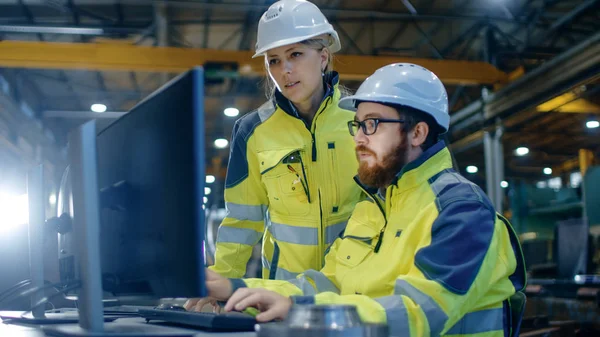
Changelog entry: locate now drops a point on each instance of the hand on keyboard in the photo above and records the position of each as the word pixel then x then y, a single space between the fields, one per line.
pixel 206 304
pixel 271 304
pixel 219 289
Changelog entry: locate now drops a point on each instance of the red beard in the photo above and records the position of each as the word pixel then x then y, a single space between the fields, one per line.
pixel 384 171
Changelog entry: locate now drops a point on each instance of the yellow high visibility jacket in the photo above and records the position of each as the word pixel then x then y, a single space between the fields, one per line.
pixel 289 183
pixel 430 258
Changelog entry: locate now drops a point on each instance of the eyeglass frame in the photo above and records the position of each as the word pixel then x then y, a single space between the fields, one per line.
pixel 363 126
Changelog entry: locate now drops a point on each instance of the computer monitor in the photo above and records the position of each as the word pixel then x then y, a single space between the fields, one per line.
pixel 151 178
pixel 138 189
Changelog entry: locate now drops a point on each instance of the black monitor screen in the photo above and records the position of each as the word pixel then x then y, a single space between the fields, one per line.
pixel 151 177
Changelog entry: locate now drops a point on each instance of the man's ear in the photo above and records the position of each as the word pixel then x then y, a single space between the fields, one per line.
pixel 420 133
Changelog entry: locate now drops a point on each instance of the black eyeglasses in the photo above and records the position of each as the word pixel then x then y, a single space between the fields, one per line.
pixel 369 125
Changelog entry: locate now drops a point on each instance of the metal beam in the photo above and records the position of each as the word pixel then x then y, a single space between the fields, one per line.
pixel 91 56
pixel 582 8
pixel 245 6
pixel 82 114
pixel 68 30
pixel 579 64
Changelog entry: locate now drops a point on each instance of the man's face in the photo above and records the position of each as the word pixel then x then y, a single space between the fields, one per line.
pixel 382 154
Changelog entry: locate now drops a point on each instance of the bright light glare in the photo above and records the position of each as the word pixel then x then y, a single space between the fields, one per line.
pixel 547 170
pixel 52 199
pixel 472 169
pixel 521 151
pixel 98 107
pixel 504 184
pixel 210 179
pixel 205 200
pixel 206 190
pixel 592 124
pixel 231 112
pixel 14 211
pixel 221 143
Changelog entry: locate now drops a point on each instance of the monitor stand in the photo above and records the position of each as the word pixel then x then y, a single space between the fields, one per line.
pixel 36 221
pixel 35 196
pixel 86 231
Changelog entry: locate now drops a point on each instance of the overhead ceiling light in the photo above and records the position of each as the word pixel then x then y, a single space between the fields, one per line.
pixel 97 107
pixel 206 190
pixel 521 151
pixel 472 169
pixel 592 124
pixel 210 179
pixel 547 170
pixel 205 199
pixel 52 199
pixel 231 112
pixel 221 143
pixel 504 184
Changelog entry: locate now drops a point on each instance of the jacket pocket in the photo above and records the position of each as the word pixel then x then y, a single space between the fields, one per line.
pixel 285 180
pixel 353 251
pixel 350 254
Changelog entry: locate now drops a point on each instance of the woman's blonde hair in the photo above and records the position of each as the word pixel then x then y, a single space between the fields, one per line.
pixel 317 43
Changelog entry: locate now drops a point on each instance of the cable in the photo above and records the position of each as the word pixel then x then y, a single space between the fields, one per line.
pixel 30 291
pixel 76 285
pixel 14 288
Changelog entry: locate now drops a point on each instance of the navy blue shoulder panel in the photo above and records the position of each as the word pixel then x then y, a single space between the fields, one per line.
pixel 237 168
pixel 461 234
pixel 519 277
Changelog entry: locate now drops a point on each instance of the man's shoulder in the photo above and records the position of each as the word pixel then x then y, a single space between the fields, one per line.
pixel 450 186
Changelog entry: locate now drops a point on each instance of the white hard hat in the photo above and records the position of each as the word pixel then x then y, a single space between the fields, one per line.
pixel 404 84
pixel 292 21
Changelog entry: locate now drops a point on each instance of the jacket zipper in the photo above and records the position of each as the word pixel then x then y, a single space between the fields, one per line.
pixel 336 192
pixel 312 132
pixel 314 129
pixel 321 233
pixel 381 209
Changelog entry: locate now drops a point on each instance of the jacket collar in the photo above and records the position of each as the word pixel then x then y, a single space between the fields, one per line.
pixel 434 160
pixel 330 82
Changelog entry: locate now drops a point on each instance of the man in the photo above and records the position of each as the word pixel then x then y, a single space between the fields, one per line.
pixel 425 252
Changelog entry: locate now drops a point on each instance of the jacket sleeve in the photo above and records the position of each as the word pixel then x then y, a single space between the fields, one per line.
pixel 309 283
pixel 246 203
pixel 469 252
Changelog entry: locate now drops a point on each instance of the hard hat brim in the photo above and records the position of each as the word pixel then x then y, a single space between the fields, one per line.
pixel 350 103
pixel 334 47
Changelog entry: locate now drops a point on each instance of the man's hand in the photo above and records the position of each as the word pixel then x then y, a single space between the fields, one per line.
pixel 219 289
pixel 271 304
pixel 202 305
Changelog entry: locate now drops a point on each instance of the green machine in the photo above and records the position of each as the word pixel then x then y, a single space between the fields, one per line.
pixel 559 228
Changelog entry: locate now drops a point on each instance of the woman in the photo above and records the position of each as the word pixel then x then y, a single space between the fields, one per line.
pixel 292 160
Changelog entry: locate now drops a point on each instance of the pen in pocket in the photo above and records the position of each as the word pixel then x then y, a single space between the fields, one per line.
pixel 304 187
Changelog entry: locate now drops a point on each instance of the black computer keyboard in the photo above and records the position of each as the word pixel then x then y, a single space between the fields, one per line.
pixel 226 322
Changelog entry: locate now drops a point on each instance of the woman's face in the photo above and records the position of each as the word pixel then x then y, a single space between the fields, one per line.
pixel 297 70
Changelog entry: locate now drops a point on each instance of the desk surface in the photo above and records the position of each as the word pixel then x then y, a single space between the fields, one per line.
pixel 18 330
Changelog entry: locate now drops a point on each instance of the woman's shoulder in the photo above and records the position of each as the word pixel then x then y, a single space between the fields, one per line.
pixel 246 124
